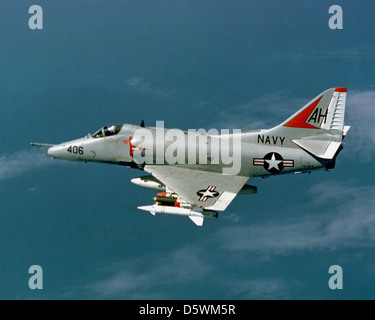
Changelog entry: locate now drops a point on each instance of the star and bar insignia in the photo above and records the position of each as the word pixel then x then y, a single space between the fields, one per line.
pixel 207 193
pixel 273 162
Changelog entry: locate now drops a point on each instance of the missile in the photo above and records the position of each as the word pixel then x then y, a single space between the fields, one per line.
pixel 197 215
pixel 149 182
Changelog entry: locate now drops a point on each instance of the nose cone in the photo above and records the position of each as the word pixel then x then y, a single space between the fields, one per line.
pixel 51 151
pixel 56 151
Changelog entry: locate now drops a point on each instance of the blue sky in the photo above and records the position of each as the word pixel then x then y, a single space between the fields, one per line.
pixel 194 64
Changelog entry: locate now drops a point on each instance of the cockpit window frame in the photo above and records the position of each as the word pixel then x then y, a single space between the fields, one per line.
pixel 107 131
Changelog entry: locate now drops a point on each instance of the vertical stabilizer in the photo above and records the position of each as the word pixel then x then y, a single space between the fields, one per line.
pixel 326 111
pixel 318 127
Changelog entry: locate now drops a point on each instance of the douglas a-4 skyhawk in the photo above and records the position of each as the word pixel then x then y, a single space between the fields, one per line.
pixel 199 173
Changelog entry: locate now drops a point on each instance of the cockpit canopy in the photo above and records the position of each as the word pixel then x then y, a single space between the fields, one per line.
pixel 107 131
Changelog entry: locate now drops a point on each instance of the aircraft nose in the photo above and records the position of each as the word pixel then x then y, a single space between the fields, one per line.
pixel 55 152
pixel 50 151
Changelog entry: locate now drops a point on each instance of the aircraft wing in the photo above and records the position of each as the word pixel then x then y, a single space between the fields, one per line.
pixel 203 189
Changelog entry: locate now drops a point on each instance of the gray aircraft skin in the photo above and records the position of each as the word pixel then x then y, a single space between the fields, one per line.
pixel 200 173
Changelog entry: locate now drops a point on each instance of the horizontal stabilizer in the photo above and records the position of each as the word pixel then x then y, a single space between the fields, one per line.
pixel 319 148
pixel 345 131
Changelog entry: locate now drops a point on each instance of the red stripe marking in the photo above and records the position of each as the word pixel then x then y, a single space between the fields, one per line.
pixel 299 121
pixel 288 163
pixel 131 146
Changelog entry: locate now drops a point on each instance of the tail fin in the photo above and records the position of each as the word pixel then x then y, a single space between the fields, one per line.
pixel 319 126
pixel 326 112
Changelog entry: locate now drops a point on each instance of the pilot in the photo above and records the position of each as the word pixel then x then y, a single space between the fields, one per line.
pixel 111 131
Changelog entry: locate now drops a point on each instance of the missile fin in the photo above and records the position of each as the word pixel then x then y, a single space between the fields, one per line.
pixel 197 220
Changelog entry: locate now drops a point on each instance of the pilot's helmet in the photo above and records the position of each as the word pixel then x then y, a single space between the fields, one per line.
pixel 112 128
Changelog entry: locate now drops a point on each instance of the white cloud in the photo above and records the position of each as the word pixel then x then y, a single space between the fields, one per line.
pixel 342 220
pixel 360 115
pixel 142 86
pixel 349 54
pixel 15 164
pixel 262 288
pixel 132 280
pixel 231 217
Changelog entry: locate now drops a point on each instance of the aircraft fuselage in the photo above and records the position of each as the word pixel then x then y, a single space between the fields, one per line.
pixel 252 153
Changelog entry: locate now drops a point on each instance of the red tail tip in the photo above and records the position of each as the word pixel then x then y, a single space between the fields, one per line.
pixel 340 90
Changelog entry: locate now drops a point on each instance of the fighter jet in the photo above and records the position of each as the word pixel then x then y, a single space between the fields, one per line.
pixel 198 174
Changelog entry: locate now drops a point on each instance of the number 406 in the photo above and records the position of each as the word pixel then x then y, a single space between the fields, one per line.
pixel 75 150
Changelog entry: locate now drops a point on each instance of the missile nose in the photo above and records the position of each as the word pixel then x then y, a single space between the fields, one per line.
pixel 135 180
